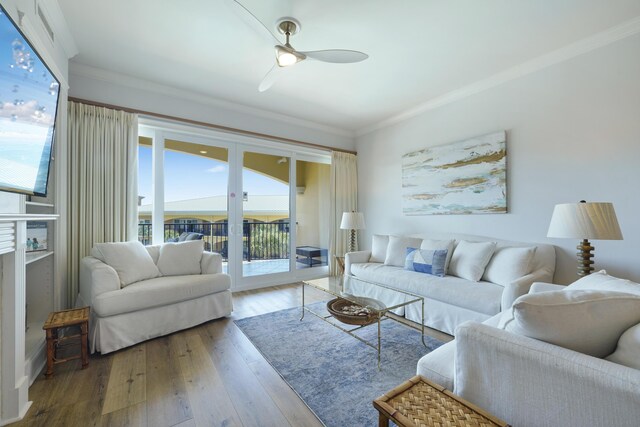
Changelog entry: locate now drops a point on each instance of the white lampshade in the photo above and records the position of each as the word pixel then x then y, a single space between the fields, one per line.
pixel 596 221
pixel 352 221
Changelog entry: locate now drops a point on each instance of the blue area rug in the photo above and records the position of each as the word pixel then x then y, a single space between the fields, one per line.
pixel 334 373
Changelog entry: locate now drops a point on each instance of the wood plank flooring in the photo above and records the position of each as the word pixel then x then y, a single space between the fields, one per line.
pixel 209 375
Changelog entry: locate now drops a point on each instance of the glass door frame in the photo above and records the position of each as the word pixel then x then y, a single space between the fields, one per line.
pixel 249 282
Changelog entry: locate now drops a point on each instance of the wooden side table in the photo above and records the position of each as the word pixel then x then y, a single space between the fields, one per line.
pixel 340 261
pixel 418 402
pixel 63 319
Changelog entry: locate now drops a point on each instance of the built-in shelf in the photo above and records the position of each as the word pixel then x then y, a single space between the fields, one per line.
pixel 40 204
pixel 36 256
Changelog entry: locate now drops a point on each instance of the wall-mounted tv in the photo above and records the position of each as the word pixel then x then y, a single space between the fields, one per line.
pixel 28 105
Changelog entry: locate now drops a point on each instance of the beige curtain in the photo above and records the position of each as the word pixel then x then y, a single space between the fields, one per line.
pixel 102 182
pixel 344 198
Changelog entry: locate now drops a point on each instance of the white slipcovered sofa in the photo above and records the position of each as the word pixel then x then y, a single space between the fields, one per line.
pixel 137 293
pixel 502 276
pixel 532 383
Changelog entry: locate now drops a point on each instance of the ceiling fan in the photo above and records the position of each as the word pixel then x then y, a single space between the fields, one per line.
pixel 287 55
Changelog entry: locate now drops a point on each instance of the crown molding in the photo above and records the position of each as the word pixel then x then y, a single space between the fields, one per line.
pixel 598 40
pixel 83 70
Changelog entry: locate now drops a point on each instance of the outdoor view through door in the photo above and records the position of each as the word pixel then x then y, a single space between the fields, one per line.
pixel 196 181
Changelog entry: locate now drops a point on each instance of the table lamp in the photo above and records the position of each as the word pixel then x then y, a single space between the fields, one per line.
pixel 585 221
pixel 352 221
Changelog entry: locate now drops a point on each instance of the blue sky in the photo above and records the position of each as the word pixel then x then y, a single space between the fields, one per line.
pixel 191 177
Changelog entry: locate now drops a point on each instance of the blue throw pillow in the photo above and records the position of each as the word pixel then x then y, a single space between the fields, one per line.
pixel 426 261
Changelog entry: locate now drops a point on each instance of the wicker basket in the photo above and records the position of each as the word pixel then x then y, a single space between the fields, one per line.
pixel 336 307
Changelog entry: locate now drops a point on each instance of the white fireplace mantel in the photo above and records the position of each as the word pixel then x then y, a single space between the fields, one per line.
pixel 14 383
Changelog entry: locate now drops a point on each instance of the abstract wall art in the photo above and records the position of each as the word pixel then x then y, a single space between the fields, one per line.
pixel 464 177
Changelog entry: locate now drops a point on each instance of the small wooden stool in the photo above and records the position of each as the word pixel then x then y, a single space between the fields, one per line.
pixel 418 403
pixel 64 319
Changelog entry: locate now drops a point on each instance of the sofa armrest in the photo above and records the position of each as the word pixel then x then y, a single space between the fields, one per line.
pixel 96 278
pixel 528 382
pixel 211 263
pixel 353 258
pixel 520 287
pixel 545 287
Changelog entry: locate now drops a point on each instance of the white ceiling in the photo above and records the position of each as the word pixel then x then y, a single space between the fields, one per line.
pixel 419 49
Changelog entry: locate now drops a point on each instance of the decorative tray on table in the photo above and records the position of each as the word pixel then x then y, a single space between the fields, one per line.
pixel 352 313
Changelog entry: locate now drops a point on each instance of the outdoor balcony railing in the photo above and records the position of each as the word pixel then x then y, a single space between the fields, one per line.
pixel 260 240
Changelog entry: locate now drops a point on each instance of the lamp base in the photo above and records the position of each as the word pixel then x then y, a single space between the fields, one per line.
pixel 584 258
pixel 352 240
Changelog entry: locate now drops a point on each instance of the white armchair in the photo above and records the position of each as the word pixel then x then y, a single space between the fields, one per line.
pixel 125 314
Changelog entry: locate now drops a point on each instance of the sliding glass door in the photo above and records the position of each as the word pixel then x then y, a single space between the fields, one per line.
pixel 240 199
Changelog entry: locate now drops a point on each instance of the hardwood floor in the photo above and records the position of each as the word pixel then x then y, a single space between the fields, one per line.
pixel 209 375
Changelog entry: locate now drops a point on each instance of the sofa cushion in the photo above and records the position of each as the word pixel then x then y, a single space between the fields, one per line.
pixel 426 261
pixel 508 264
pixel 131 261
pixel 438 365
pixel 379 244
pixel 628 349
pixel 601 281
pixel 177 259
pixel 482 297
pixel 431 244
pixel 154 251
pixel 397 249
pixel 158 292
pixel 469 259
pixel 589 322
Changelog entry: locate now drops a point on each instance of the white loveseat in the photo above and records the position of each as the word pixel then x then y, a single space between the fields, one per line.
pixel 449 300
pixel 531 383
pixel 181 287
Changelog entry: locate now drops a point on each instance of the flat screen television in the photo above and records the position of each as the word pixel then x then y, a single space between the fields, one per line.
pixel 28 105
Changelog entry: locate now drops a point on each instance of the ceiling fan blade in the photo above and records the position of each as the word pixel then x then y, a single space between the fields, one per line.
pixel 270 78
pixel 253 20
pixel 338 56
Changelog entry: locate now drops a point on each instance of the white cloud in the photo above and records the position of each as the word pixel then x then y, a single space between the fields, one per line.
pixel 217 169
pixel 27 112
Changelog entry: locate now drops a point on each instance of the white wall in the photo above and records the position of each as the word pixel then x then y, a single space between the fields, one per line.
pixel 573 132
pixel 109 88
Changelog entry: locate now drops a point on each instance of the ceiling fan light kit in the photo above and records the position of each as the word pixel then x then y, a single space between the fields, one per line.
pixel 287 55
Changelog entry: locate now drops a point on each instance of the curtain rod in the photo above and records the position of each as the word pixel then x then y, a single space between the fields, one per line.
pixel 212 125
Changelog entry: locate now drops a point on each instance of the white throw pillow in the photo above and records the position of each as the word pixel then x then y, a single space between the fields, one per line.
pixel 601 281
pixel 178 259
pixel 588 322
pixel 379 244
pixel 509 264
pixel 397 249
pixel 436 245
pixel 628 350
pixel 470 259
pixel 131 261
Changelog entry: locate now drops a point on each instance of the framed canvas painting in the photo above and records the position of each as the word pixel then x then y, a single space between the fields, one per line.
pixel 464 177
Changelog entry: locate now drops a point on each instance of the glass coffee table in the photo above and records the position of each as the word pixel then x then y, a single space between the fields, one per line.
pixel 358 291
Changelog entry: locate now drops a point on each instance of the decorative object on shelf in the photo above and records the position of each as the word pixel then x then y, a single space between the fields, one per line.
pixel 593 220
pixel 463 177
pixel 352 221
pixel 36 236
